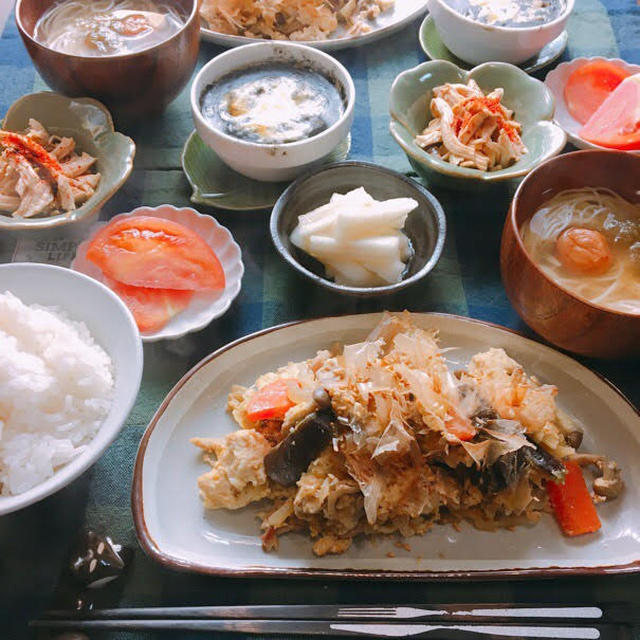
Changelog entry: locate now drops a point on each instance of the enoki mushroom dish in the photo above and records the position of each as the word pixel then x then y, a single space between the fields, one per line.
pixel 471 129
pixel 43 174
pixel 380 437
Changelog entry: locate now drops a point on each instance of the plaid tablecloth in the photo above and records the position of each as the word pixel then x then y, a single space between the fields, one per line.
pixel 35 544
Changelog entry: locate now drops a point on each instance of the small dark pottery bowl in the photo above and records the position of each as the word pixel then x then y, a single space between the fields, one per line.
pixel 425 226
pixel 131 85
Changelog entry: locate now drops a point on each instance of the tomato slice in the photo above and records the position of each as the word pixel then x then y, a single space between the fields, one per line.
pixel 144 251
pixel 459 426
pixel 151 308
pixel 589 86
pixel 616 123
pixel 572 504
pixel 271 402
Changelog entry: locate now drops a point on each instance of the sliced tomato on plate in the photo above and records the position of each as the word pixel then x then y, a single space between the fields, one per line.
pixel 151 308
pixel 271 402
pixel 616 123
pixel 145 251
pixel 588 87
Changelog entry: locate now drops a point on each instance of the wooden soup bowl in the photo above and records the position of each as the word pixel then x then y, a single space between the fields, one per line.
pixel 131 85
pixel 562 317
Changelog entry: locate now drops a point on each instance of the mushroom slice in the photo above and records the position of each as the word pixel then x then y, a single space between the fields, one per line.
pixel 572 432
pixel 608 483
pixel 288 460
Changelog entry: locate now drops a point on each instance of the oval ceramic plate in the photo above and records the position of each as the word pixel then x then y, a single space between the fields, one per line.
pixel 174 528
pixel 89 123
pixel 205 306
pixel 556 81
pixel 433 46
pixel 214 184
pixel 388 22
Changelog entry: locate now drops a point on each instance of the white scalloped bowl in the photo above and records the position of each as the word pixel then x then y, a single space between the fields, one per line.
pixel 206 305
pixel 556 81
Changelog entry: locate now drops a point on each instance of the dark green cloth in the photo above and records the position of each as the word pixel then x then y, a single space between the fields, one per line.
pixel 35 544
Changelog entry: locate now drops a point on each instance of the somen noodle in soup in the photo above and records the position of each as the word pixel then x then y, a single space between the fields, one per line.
pixel 588 241
pixel 107 27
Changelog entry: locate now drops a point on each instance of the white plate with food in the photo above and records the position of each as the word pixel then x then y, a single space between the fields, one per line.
pixel 322 29
pixel 580 87
pixel 176 269
pixel 338 497
pixel 70 369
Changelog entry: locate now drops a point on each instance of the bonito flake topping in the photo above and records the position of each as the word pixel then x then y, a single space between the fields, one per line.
pixel 380 437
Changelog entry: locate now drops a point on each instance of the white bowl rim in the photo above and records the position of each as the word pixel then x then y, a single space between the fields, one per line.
pixel 101 441
pixel 348 86
pixel 570 4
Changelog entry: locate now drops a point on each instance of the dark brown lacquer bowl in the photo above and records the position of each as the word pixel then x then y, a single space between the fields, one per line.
pixel 133 85
pixel 561 317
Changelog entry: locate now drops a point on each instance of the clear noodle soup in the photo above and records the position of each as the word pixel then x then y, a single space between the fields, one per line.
pixel 588 241
pixel 107 27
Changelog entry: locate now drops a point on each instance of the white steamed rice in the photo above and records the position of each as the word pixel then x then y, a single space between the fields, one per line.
pixel 56 388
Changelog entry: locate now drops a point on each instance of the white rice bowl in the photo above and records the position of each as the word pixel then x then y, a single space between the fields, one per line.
pixel 56 389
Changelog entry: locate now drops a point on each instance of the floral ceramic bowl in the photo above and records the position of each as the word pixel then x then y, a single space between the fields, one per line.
pixel 89 123
pixel 205 306
pixel 530 100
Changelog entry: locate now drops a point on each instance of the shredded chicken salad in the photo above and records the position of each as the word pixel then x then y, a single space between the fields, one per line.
pixel 471 129
pixel 43 174
pixel 380 437
pixel 291 19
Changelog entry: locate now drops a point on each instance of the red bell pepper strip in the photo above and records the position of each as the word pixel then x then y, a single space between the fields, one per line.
pixel 271 402
pixel 572 503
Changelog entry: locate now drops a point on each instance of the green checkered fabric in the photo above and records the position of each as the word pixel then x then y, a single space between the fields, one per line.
pixel 35 544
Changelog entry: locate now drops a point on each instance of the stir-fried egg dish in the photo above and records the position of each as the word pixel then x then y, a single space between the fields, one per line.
pixel 380 437
pixel 470 129
pixel 43 174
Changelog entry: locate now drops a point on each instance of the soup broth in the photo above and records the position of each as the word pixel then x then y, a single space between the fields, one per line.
pixel 510 13
pixel 272 103
pixel 588 241
pixel 107 27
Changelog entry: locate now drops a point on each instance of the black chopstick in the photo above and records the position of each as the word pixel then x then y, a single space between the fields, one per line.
pixel 539 613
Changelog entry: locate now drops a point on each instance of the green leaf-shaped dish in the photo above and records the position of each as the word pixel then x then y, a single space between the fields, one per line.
pixel 89 123
pixel 531 101
pixel 214 184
